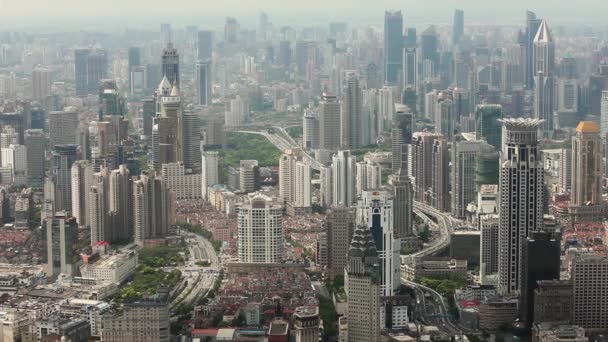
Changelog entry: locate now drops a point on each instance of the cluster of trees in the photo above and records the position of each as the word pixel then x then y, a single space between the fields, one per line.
pixel 160 256
pixel 249 146
pixel 147 280
pixel 445 287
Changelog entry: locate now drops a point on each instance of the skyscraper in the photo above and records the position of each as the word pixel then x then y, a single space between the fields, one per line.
pixel 604 115
pixel 62 127
pixel 521 197
pixel 203 83
pixel 363 289
pixel 429 45
pixel 487 124
pixel 287 173
pixel 210 171
pixel 151 205
pixel 439 195
pixel 329 122
pixel 191 145
pixel 401 138
pixel 34 143
pixel 98 201
pixel 170 65
pixel 120 204
pixel 80 71
pixel 421 167
pixel 64 157
pixel 410 68
pixel 343 179
pixel 400 186
pixel 59 237
pixel 260 226
pixel 457 27
pixel 134 55
pixel 532 25
pixel 464 154
pixel 231 28
pixel 544 85
pixel 368 176
pixel 393 46
pixel 489 226
pixel 41 83
pixel 205 46
pixel 340 225
pixel 375 211
pixel 351 113
pixel 589 274
pixel 165 34
pixel 587 173
pixel 97 69
pixel 82 174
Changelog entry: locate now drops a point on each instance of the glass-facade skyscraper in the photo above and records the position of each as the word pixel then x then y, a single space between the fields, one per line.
pixel 393 46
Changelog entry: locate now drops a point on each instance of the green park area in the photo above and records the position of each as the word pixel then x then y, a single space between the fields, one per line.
pixel 242 146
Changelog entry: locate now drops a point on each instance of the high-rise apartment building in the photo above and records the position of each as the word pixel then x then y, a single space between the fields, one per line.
pixel 209 171
pixel 589 274
pixel 464 155
pixel 287 173
pixel 401 138
pixel 120 204
pixel 393 46
pixel 249 176
pixel 521 197
pixel 604 114
pixel 260 225
pixel 14 160
pixel 488 249
pixel 310 130
pixel 41 83
pixel 329 122
pixel 98 202
pixel 439 195
pixel 587 171
pixel 151 206
pixel 375 211
pixel 363 287
pixel 148 317
pixel 340 225
pixel 421 166
pixel 350 117
pixel 82 176
pixel 368 176
pixel 343 179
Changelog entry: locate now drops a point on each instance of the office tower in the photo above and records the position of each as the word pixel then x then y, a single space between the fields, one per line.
pixel 368 176
pixel 420 169
pixel 147 317
pixel 62 127
pixel 306 323
pixel 97 69
pixel 540 261
pixel 203 83
pixel 589 281
pixel 231 28
pixel 151 205
pixel 565 170
pixel 120 204
pixel 544 85
pixel 167 132
pixel 205 46
pixel 489 226
pixel 9 136
pixel 343 178
pixel 82 176
pixel 165 34
pixel 464 154
pixel 98 202
pixel 363 287
pixel 284 55
pixel 41 83
pixel 521 201
pixel 326 186
pixel 553 301
pixel 487 124
pixel 310 130
pixel 64 157
pixel 587 172
pixel 604 115
pixel 445 120
pixel 153 76
pixel 457 27
pixel 249 176
pixel 170 65
pixel 138 81
pixel 215 137
pixel 59 238
pixel 350 116
pixel 532 25
pixel 191 141
pixel 80 71
pixel 429 45
pixel 238 113
pixel 375 210
pixel 329 122
pixel 430 105
pixel 148 112
pixel 110 102
pixel 393 46
pixel 487 167
pixel 210 171
pixel 34 144
pixel 410 68
pixel 302 55
pixel 400 186
pixel 386 107
pixel 598 83
pixel 340 225
pixel 134 56
pixel 260 226
pixel 440 175
pixel 302 200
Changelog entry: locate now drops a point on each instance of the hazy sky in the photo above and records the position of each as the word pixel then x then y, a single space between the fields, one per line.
pixel 32 13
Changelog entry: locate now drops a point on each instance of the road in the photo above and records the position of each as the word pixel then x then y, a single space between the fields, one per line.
pixel 199 279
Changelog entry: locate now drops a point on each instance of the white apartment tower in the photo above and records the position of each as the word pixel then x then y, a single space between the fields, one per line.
pixel 260 226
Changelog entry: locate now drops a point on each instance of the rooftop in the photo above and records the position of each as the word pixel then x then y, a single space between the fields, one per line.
pixel 587 127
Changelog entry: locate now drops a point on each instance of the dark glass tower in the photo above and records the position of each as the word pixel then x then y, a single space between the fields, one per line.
pixel 170 64
pixel 458 27
pixel 393 46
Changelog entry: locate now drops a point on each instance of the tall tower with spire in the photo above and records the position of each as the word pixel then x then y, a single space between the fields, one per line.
pixel 167 130
pixel 544 77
